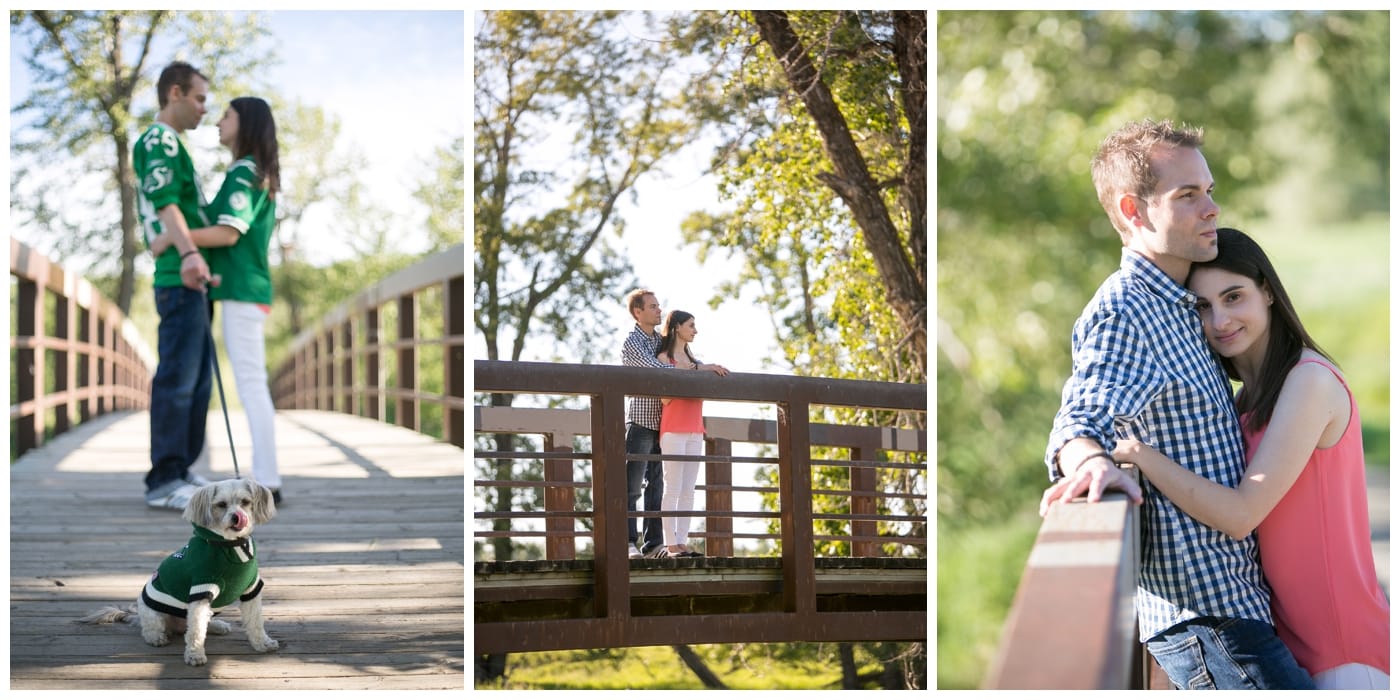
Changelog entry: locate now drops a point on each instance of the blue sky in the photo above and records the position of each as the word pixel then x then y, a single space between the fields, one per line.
pixel 396 80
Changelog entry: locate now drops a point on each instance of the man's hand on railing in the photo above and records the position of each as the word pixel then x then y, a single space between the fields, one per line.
pixel 1093 478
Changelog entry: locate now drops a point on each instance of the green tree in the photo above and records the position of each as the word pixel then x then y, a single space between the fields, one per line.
pixel 549 83
pixel 822 155
pixel 811 105
pixel 444 199
pixel 88 68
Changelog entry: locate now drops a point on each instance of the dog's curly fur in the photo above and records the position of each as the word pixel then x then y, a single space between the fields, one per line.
pixel 230 508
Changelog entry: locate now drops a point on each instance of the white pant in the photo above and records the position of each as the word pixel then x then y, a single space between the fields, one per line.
pixel 243 339
pixel 679 478
pixel 1352 677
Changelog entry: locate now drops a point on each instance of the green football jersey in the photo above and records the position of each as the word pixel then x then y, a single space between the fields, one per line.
pixel 165 175
pixel 244 205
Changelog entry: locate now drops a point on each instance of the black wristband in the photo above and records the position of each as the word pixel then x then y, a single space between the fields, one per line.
pixel 188 253
pixel 1100 453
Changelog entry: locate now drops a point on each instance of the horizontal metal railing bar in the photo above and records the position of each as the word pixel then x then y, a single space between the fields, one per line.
pixel 486 483
pixel 588 457
pixel 754 515
pixel 537 514
pixel 708 459
pixel 588 534
pixel 577 421
pixel 721 488
pixel 868 463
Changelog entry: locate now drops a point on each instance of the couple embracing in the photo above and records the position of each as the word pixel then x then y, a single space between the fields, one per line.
pixel 1256 569
pixel 671 426
pixel 220 247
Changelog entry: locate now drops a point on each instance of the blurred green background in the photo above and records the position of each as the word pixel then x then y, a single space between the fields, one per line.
pixel 1295 107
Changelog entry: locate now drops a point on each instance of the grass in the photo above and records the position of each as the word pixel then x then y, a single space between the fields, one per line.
pixel 740 667
pixel 979 569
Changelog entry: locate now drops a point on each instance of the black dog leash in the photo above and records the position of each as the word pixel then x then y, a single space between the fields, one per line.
pixel 214 358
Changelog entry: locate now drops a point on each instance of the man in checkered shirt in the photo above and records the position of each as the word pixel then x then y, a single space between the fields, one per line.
pixel 1142 370
pixel 644 421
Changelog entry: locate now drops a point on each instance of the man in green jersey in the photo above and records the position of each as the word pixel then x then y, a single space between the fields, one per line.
pixel 169 200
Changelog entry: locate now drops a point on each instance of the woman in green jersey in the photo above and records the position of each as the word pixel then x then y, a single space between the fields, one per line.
pixel 242 218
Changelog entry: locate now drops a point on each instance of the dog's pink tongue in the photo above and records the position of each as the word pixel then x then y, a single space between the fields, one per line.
pixel 240 520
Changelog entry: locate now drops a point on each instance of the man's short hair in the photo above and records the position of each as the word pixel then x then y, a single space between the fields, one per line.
pixel 1123 163
pixel 636 300
pixel 177 73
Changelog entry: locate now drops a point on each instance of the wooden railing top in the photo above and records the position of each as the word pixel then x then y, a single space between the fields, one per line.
pixel 431 270
pixel 567 379
pixel 1072 624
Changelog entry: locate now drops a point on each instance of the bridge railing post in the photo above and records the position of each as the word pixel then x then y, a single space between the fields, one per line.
pixel 454 315
pixel 559 499
pixel 406 413
pixel 611 578
pixel 375 399
pixel 863 529
pixel 795 499
pixel 719 500
pixel 29 363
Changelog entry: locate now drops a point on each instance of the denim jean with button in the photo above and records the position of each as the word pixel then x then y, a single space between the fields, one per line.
pixel 1209 653
pixel 180 389
pixel 644 476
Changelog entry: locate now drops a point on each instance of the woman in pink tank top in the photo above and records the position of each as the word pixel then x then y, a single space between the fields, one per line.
pixel 1304 489
pixel 682 433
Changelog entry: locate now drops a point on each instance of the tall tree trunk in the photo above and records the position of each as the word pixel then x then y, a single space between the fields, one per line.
pixel 126 186
pixel 850 679
pixel 853 183
pixel 698 667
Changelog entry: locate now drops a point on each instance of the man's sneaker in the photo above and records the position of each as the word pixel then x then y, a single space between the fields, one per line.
pixel 633 552
pixel 174 499
pixel 196 480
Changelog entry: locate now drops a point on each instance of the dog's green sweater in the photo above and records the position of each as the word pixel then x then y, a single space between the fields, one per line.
pixel 208 567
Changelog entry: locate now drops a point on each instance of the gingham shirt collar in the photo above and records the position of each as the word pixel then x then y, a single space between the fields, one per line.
pixel 639 350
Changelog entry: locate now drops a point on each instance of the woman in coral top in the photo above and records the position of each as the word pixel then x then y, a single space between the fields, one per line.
pixel 1305 485
pixel 682 433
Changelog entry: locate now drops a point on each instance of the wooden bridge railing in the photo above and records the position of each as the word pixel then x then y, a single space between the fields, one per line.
pixel 1073 623
pixel 342 363
pixel 88 362
pixel 613 623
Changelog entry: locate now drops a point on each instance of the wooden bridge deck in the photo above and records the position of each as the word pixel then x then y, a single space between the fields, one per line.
pixel 363 563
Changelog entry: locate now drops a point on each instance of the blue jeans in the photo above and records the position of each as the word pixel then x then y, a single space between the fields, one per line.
pixel 180 389
pixel 640 441
pixel 1210 653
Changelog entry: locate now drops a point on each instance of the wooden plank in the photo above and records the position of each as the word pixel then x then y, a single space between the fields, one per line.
pixel 364 563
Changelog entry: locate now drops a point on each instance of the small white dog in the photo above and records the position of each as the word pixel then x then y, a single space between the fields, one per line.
pixel 217 567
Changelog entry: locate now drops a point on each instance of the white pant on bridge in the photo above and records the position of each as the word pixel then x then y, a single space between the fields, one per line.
pixel 680 479
pixel 243 338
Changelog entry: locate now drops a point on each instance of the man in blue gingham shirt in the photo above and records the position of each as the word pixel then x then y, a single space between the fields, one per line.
pixel 644 422
pixel 1142 370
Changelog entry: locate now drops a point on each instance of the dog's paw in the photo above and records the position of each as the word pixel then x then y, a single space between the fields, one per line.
pixel 219 627
pixel 265 644
pixel 195 657
pixel 155 639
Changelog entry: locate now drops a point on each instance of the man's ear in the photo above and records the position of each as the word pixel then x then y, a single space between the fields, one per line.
pixel 1128 207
